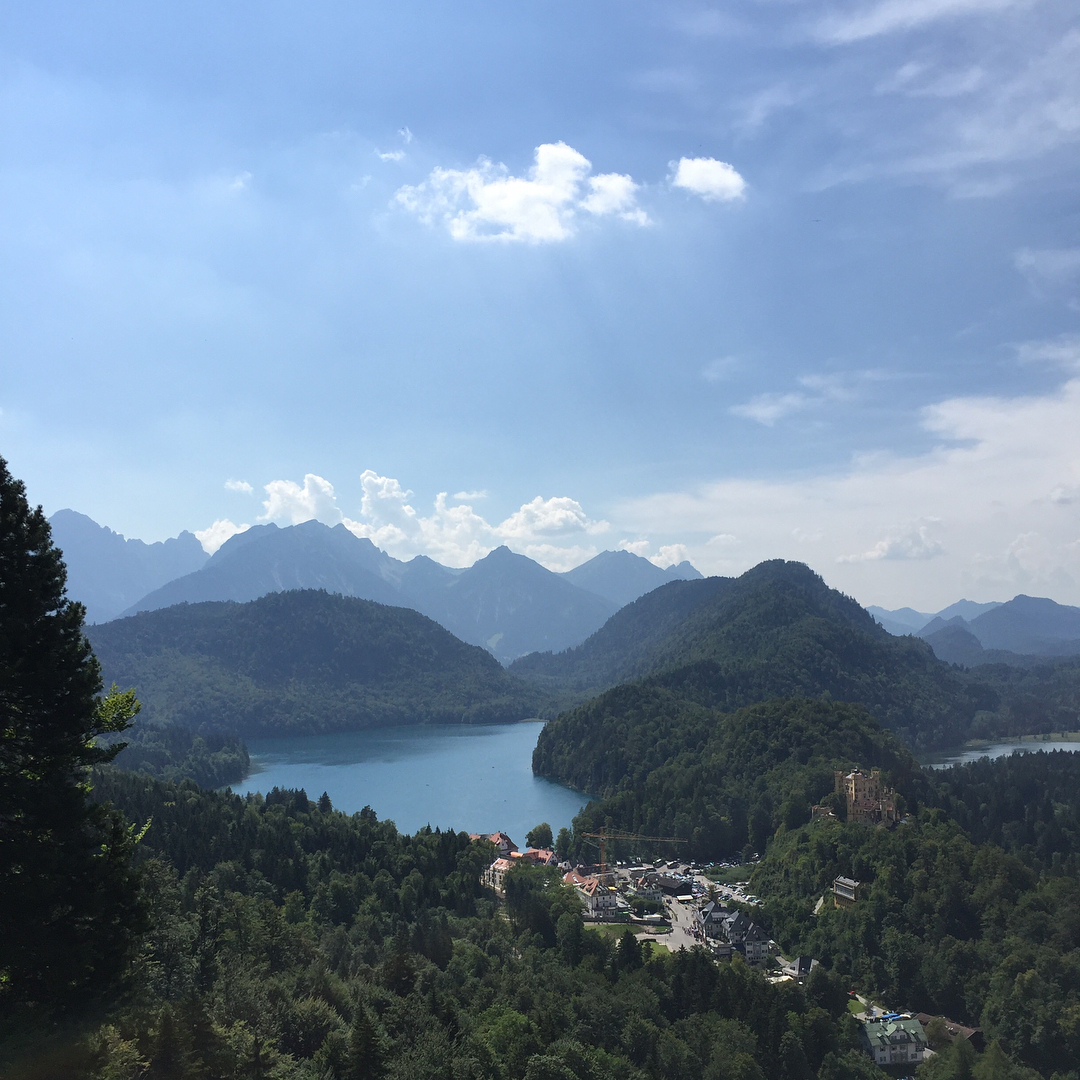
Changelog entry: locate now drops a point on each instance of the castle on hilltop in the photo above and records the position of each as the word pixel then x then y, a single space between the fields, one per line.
pixel 869 802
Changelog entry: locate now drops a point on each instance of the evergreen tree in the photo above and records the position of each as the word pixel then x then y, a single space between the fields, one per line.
pixel 68 897
pixel 365 1057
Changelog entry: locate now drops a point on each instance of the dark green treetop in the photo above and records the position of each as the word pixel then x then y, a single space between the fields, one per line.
pixel 67 894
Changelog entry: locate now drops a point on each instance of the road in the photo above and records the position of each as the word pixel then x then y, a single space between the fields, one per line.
pixel 682 922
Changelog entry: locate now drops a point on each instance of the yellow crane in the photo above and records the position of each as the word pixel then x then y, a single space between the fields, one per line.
pixel 604 835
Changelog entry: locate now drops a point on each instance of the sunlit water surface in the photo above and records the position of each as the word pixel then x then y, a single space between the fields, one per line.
pixel 957 756
pixel 471 777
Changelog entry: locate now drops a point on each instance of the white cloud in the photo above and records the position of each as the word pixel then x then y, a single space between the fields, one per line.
pixel 213 537
pixel 1052 271
pixel 636 547
pixel 613 193
pixel 548 530
pixel 892 16
pixel 845 386
pixel 239 485
pixel 406 134
pixel 915 542
pixel 719 369
pixel 549 517
pixel 288 501
pixel 1023 114
pixel 994 498
pixel 390 155
pixel 1063 350
pixel 714 181
pixel 768 408
pixel 670 555
pixel 486 203
pixel 558 558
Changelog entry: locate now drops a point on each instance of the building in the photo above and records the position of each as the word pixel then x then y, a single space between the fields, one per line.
pixel 952 1031
pixel 539 856
pixel 746 937
pixel 495 874
pixel 895 1040
pixel 499 839
pixel 647 889
pixel 846 891
pixel 869 802
pixel 711 919
pixel 798 968
pixel 599 899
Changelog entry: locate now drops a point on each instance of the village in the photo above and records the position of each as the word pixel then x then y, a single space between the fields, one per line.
pixel 680 905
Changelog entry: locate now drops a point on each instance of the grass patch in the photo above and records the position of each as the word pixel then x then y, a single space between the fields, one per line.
pixel 611 930
pixel 729 875
pixel 854 1005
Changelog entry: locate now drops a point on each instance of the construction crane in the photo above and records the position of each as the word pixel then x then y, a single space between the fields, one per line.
pixel 604 835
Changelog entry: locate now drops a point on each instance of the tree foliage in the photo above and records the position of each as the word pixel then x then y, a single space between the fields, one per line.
pixel 302 662
pixel 68 900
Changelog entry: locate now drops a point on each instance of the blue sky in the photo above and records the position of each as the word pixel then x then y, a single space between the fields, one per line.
pixel 767 279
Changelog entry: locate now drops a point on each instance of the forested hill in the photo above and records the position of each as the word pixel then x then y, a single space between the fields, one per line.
pixel 776 631
pixel 302 662
pixel 724 782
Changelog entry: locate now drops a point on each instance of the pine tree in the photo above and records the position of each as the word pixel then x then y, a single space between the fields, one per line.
pixel 68 896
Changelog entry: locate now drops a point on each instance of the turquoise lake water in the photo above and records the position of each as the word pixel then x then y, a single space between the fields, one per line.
pixel 471 777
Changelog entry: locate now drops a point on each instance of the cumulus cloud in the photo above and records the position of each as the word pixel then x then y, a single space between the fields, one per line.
pixel 636 547
pixel 215 535
pixel 670 555
pixel 487 203
pixel 714 181
pixel 892 16
pixel 241 486
pixel 390 155
pixel 288 501
pixel 990 510
pixel 544 517
pixel 548 530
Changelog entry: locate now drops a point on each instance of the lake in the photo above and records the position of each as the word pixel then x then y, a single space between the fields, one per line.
pixel 468 777
pixel 942 759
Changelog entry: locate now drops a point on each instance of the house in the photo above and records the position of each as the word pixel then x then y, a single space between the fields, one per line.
pixel 599 899
pixel 646 888
pixel 539 856
pixel 846 891
pixel 496 873
pixel 951 1030
pixel 895 1040
pixel 869 802
pixel 746 936
pixel 798 968
pixel 711 919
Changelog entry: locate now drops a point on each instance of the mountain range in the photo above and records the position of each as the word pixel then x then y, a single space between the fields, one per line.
pixel 107 573
pixel 505 602
pixel 1021 632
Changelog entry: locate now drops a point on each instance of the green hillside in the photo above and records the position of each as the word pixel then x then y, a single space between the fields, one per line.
pixel 303 662
pixel 777 631
pixel 725 782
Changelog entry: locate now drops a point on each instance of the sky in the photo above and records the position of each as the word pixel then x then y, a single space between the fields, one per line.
pixel 768 279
